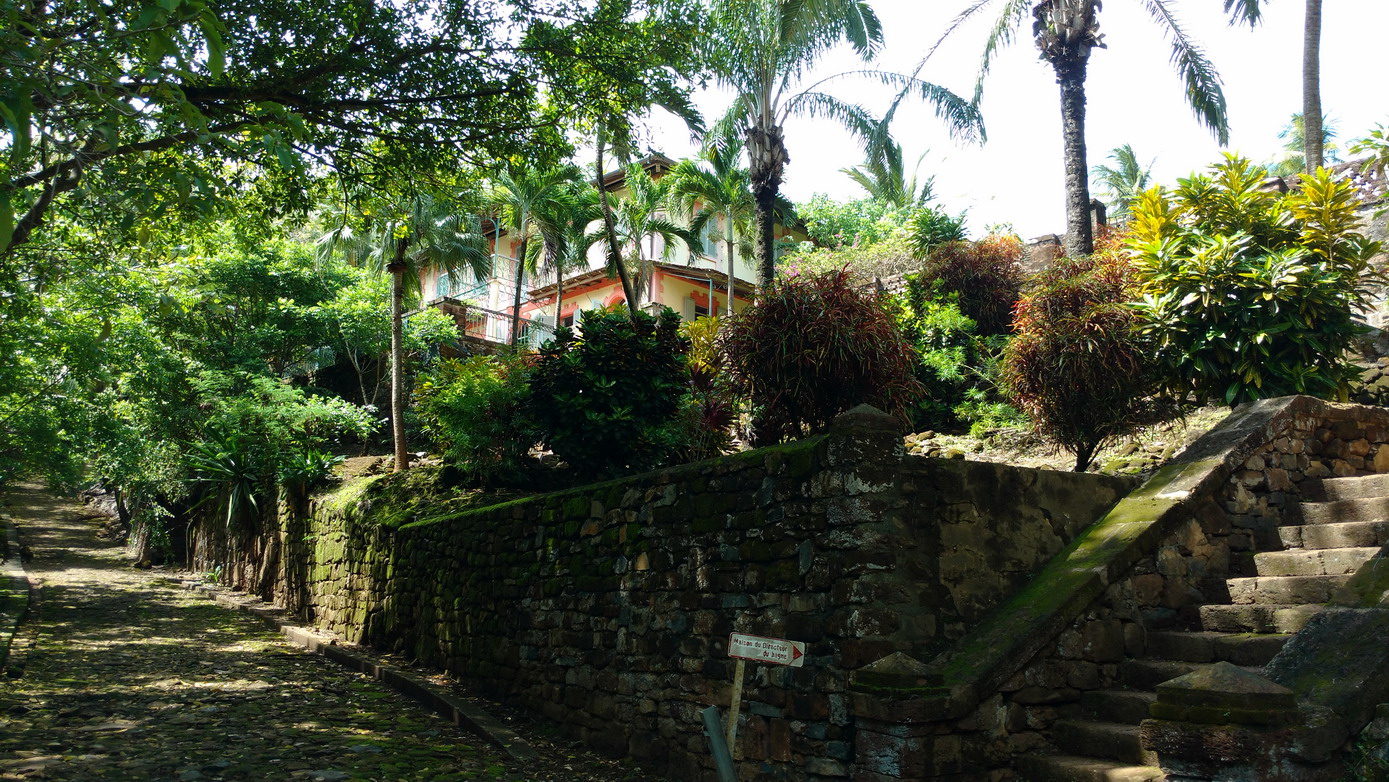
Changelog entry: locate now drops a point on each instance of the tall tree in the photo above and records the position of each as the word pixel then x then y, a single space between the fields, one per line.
pixel 520 194
pixel 763 51
pixel 100 97
pixel 1311 88
pixel 640 218
pixel 564 224
pixel 712 190
pixel 1123 181
pixel 401 236
pixel 1065 32
pixel 648 49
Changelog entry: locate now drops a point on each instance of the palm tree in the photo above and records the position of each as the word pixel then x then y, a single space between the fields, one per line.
pixel 519 194
pixel 764 49
pixel 1312 154
pixel 883 175
pixel 1124 181
pixel 414 232
pixel 637 218
pixel 722 191
pixel 1294 159
pixel 563 225
pixel 1065 32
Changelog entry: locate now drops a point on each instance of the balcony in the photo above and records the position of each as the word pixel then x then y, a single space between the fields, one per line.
pixel 489 329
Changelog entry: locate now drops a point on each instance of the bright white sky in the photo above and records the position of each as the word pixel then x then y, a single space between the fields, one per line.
pixel 1134 97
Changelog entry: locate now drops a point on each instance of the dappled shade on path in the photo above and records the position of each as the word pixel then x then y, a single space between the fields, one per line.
pixel 129 676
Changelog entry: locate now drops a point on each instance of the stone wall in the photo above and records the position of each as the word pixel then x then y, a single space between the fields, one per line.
pixel 1236 488
pixel 608 608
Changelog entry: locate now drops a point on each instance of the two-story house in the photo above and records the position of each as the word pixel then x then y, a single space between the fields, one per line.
pixel 691 281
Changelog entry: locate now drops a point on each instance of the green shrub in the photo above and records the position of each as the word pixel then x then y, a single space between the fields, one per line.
pixel 474 411
pixel 887 258
pixel 812 347
pixel 945 345
pixel 303 471
pixel 985 276
pixel 708 411
pixel 1077 364
pixel 1250 294
pixel 254 427
pixel 929 228
pixel 607 398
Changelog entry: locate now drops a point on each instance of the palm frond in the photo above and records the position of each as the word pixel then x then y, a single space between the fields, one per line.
pixel 962 117
pixel 1001 34
pixel 1203 92
pixel 821 105
pixel 1244 11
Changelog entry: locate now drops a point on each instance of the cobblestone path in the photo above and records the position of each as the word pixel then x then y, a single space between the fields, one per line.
pixel 130 677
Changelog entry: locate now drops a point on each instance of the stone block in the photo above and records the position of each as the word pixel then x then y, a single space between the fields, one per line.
pixel 1225 686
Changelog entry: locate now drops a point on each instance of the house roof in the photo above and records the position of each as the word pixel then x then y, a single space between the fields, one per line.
pixel 654 163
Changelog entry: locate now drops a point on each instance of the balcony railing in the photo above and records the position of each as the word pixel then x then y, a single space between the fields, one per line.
pixel 486 325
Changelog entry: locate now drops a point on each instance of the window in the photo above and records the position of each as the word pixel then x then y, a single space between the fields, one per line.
pixel 441 285
pixel 709 238
pixel 701 312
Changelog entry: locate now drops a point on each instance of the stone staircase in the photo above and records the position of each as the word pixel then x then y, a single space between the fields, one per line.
pixel 1344 523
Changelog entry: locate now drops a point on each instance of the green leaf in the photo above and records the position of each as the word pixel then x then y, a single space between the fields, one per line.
pixel 216 49
pixel 15 112
pixel 6 220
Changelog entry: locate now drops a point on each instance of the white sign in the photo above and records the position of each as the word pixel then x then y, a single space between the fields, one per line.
pixel 777 651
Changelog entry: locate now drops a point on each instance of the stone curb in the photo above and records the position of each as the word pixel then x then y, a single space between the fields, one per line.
pixel 461 713
pixel 16 580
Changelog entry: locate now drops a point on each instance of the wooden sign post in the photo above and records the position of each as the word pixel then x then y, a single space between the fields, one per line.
pixel 743 647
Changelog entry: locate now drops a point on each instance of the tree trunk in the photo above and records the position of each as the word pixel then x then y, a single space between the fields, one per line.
pixel 520 280
pixel 766 235
pixel 1085 453
pixel 614 251
pixel 397 271
pixel 559 296
pixel 729 243
pixel 767 159
pixel 1312 134
pixel 1070 74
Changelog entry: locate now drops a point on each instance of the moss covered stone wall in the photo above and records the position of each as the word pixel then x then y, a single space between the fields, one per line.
pixel 1157 557
pixel 608 608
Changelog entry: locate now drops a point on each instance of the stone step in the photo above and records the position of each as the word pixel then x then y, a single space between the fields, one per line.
pixel 1341 511
pixel 1129 707
pixel 1147 674
pixel 1315 562
pixel 1363 487
pixel 1212 646
pixel 1069 768
pixel 1283 590
pixel 1349 534
pixel 1257 618
pixel 1104 740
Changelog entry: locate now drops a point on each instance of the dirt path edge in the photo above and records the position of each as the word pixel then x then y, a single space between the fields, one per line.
pixel 461 713
pixel 16 585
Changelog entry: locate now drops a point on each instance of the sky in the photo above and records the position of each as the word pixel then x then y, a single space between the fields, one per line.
pixel 1133 97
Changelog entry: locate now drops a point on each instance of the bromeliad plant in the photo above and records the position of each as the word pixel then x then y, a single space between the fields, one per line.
pixel 1250 294
pixel 234 474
